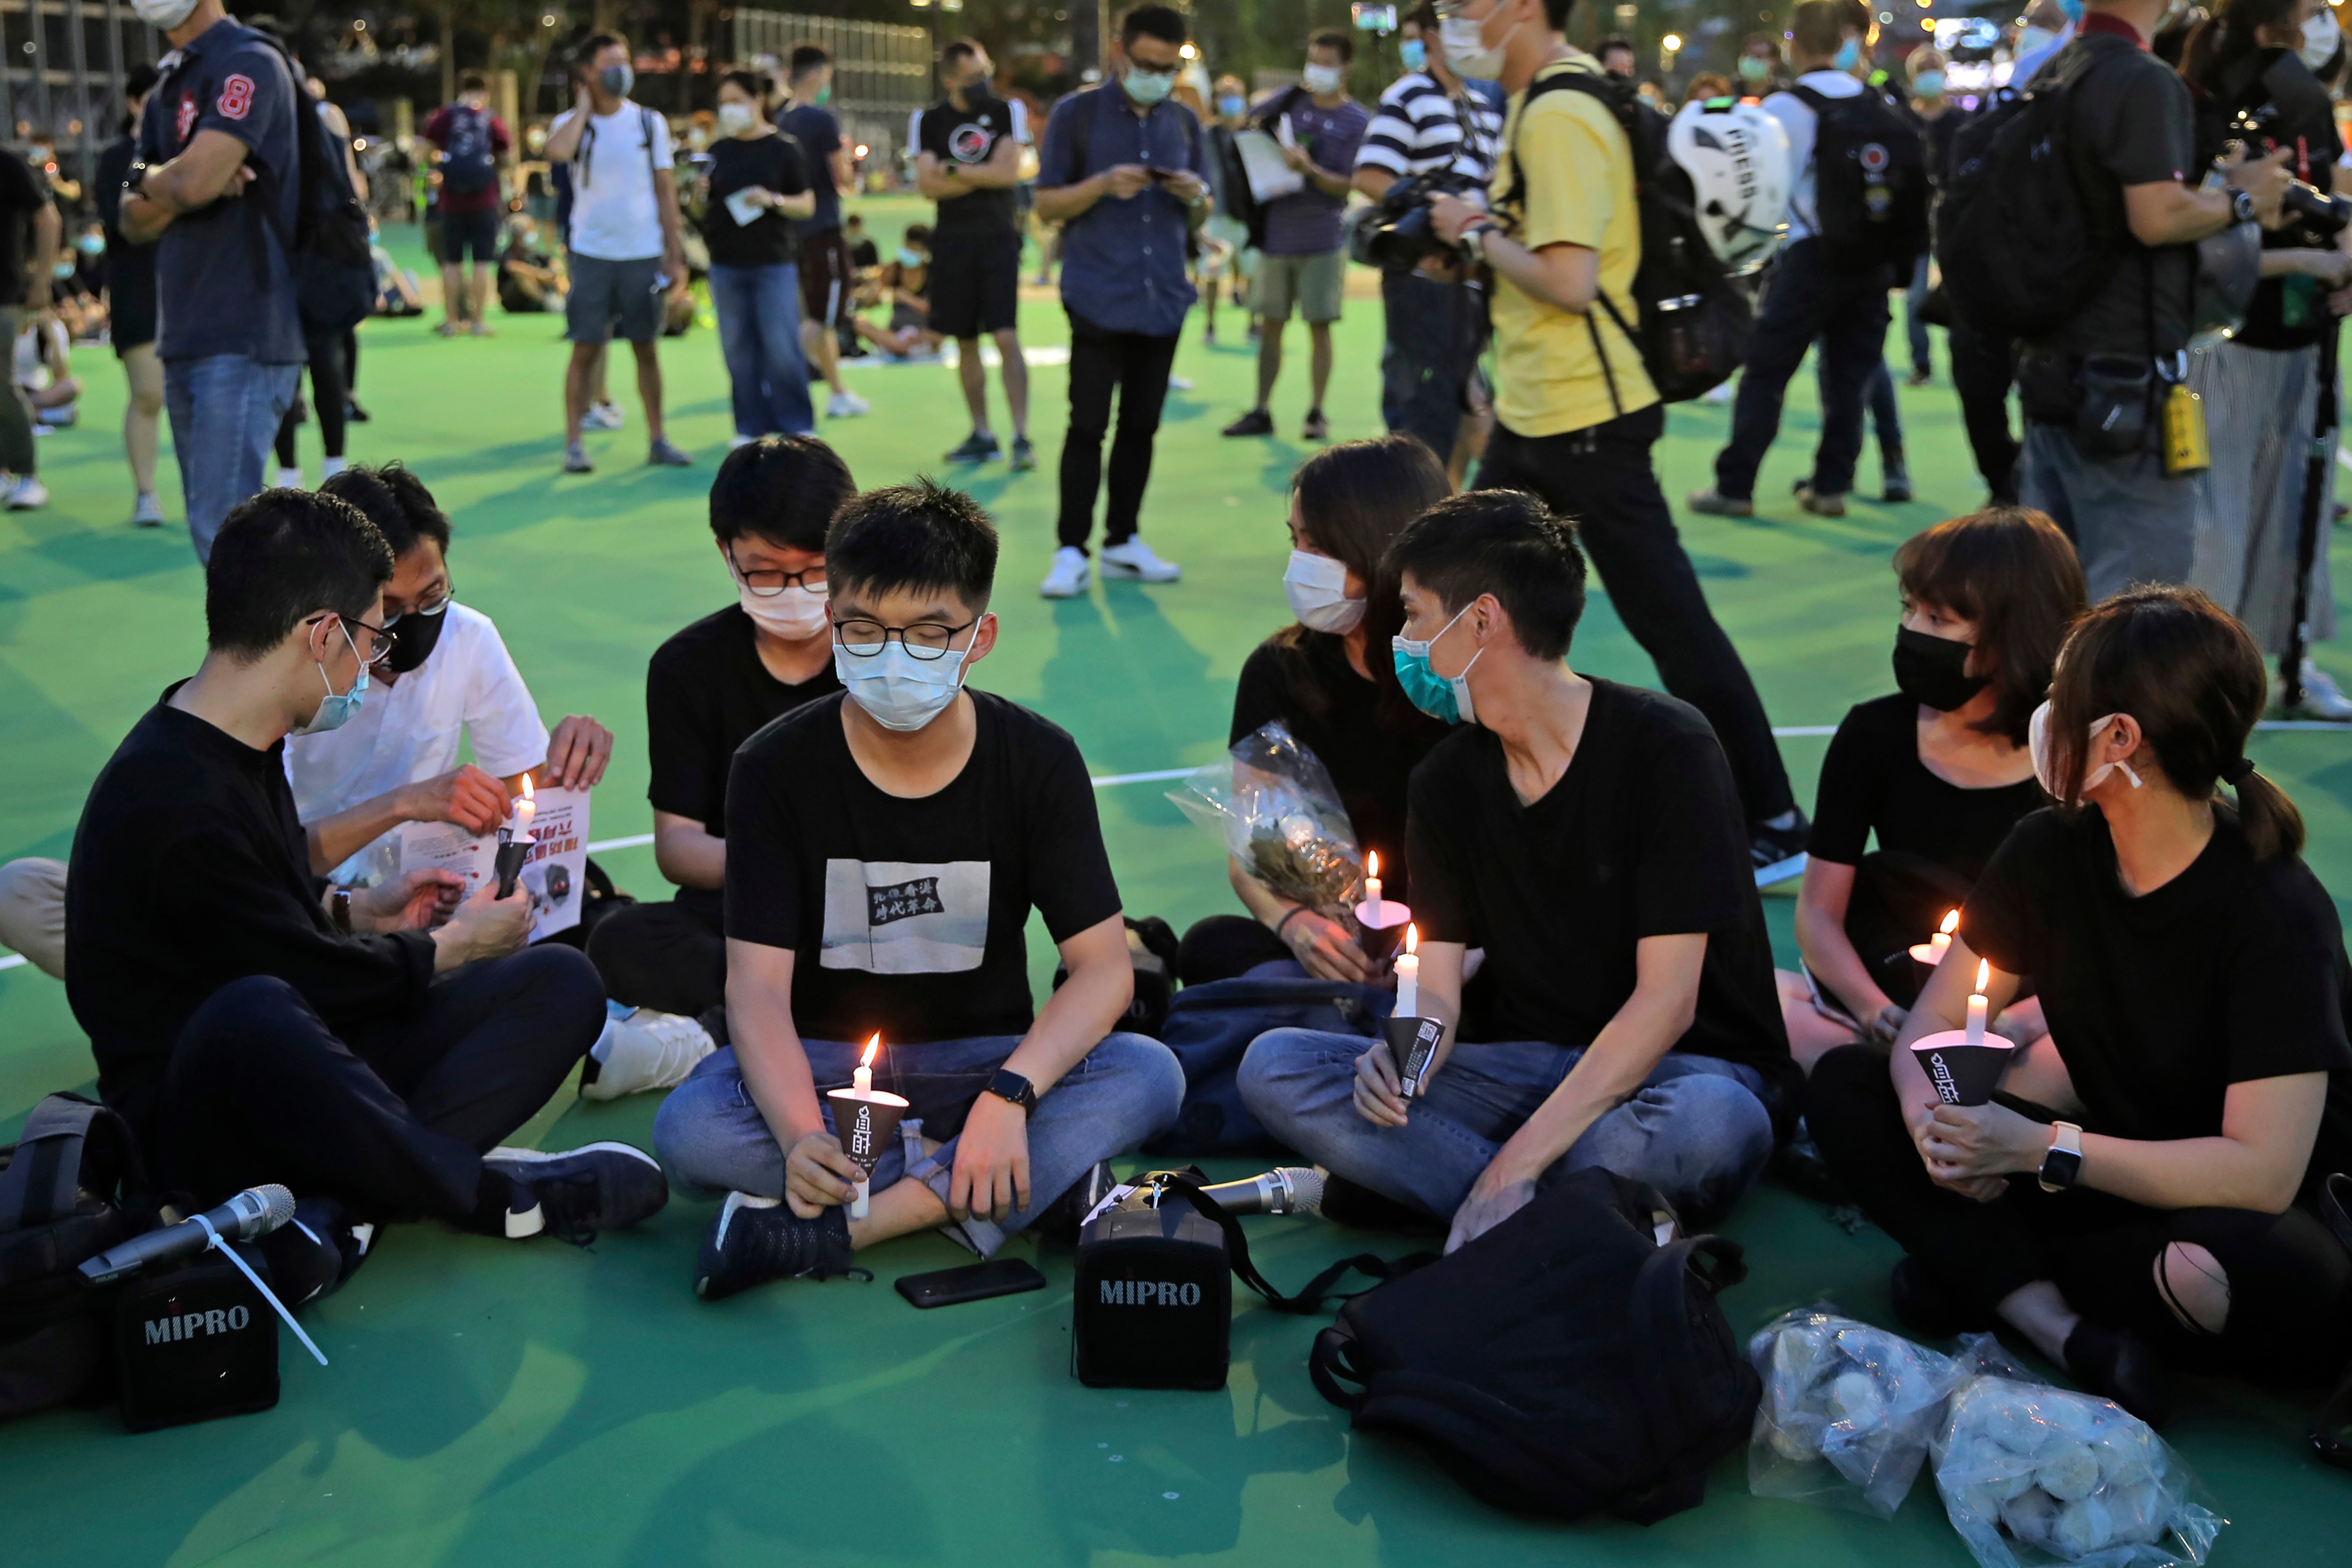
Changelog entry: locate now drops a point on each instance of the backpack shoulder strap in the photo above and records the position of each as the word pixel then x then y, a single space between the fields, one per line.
pixel 1557 81
pixel 1317 1290
pixel 646 124
pixel 42 1178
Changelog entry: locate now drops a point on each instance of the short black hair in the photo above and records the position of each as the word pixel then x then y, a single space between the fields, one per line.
pixel 281 556
pixel 396 502
pixel 805 59
pixel 916 537
pixel 1506 543
pixel 1164 23
pixel 473 81
pixel 1556 13
pixel 140 81
pixel 1616 41
pixel 595 44
pixel 781 488
pixel 1337 38
pixel 962 49
pixel 754 85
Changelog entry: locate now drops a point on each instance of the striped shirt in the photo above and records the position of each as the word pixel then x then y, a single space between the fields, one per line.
pixel 1419 128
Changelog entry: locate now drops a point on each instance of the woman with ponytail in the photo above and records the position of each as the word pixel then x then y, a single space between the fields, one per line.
pixel 2141 1192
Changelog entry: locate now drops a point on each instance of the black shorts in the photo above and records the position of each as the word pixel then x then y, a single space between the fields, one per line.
pixel 828 278
pixel 975 281
pixel 477 232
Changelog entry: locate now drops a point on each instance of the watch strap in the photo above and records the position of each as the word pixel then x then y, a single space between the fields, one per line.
pixel 2061 1165
pixel 2241 206
pixel 1008 1085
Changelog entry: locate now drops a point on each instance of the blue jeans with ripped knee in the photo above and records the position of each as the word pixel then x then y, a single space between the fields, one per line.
pixel 1698 1129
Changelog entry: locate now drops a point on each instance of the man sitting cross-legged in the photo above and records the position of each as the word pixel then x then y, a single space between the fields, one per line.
pixel 252 1029
pixel 1588 836
pixel 885 847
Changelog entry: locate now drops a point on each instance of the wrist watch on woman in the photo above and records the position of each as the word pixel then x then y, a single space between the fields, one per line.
pixel 2061 1165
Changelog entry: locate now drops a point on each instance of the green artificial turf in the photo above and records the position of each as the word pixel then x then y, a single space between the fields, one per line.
pixel 495 1403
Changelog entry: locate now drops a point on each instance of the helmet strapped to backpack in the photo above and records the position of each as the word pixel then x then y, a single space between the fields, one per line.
pixel 70 1187
pixel 1735 157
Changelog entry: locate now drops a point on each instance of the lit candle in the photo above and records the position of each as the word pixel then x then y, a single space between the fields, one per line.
pixel 1941 942
pixel 525 809
pixel 1408 975
pixel 1372 886
pixel 864 1076
pixel 1978 1007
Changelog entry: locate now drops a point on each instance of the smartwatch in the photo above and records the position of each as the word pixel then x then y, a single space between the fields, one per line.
pixel 339 905
pixel 1474 238
pixel 1010 1085
pixel 2062 1167
pixel 134 179
pixel 2241 206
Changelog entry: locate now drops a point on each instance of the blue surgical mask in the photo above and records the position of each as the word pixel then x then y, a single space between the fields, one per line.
pixel 1147 88
pixel 1849 54
pixel 617 81
pixel 897 690
pixel 62 268
pixel 1233 106
pixel 2074 9
pixel 1442 698
pixel 335 711
pixel 92 245
pixel 909 258
pixel 1414 53
pixel 1928 84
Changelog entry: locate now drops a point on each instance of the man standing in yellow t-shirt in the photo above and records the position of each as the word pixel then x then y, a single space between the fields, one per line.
pixel 1575 414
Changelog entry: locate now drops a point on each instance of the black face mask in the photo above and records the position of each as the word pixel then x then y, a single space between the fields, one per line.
pixel 413 638
pixel 1931 671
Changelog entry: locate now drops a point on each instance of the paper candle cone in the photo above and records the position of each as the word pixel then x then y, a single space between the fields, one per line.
pixel 864 1122
pixel 511 854
pixel 1963 1074
pixel 1412 1042
pixel 1379 942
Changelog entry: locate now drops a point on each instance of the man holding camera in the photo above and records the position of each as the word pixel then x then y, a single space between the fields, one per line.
pixel 1576 414
pixel 1428 125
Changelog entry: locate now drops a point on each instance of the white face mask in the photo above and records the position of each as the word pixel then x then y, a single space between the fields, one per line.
pixel 1467 54
pixel 897 690
pixel 2037 744
pixel 163 14
pixel 2321 38
pixel 795 615
pixel 735 119
pixel 1322 80
pixel 1318 586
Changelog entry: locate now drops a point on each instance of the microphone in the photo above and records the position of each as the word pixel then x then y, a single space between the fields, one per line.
pixel 1287 1189
pixel 254 1212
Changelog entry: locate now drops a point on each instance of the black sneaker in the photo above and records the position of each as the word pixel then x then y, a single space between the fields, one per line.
pixel 1024 456
pixel 1317 427
pixel 312 1254
pixel 578 1194
pixel 1779 852
pixel 354 412
pixel 755 1240
pixel 1928 1308
pixel 1257 422
pixel 2119 1364
pixel 1060 1220
pixel 976 448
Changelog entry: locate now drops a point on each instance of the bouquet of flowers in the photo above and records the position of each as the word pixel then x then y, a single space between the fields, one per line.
pixel 1271 804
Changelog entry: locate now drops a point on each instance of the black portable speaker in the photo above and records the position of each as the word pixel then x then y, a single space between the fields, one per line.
pixel 196 1344
pixel 1154 1307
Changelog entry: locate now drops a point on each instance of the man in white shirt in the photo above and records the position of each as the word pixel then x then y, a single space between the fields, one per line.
pixel 628 251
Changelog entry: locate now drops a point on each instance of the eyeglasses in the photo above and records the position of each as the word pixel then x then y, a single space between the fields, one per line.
pixel 380 648
pixel 925 640
pixel 768 584
pixel 433 606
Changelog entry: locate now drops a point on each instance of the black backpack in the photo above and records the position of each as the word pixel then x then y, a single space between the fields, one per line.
pixel 1693 317
pixel 469 163
pixel 1870 181
pixel 2015 235
pixel 334 274
pixel 70 1187
pixel 1565 1362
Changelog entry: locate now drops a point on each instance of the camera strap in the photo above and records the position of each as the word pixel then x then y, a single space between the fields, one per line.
pixel 1317 1290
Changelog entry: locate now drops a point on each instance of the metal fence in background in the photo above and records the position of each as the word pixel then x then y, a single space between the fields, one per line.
pixel 61 68
pixel 881 73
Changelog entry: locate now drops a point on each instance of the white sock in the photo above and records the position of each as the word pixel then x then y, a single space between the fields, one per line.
pixel 290 478
pixel 330 467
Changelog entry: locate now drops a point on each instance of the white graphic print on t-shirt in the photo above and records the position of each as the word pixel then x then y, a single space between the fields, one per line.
pixel 895 917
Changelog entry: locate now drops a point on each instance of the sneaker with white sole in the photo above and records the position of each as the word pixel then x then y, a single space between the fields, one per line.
pixel 146 513
pixel 2322 697
pixel 27 493
pixel 576 460
pixel 576 1195
pixel 642 1049
pixel 602 416
pixel 667 454
pixel 286 478
pixel 756 1239
pixel 847 405
pixel 1069 575
pixel 1135 559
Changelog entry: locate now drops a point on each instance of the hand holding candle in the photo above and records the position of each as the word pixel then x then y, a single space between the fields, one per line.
pixel 514 840
pixel 1964 1066
pixel 865 1121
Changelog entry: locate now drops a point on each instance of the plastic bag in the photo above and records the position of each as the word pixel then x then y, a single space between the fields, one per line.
pixel 2033 1475
pixel 1848 1412
pixel 1271 803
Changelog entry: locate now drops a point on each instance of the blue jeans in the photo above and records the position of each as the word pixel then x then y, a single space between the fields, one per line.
pixel 1805 301
pixel 1697 1129
pixel 711 1138
pixel 1914 299
pixel 759 335
pixel 226 410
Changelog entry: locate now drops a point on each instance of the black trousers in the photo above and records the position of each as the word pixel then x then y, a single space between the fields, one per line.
pixel 670 957
pixel 2290 1280
pixel 1603 478
pixel 1806 299
pixel 1433 346
pixel 391 1121
pixel 1135 365
pixel 329 392
pixel 1982 374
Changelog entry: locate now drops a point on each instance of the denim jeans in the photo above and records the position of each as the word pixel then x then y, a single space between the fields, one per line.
pixel 711 1138
pixel 1806 299
pixel 1697 1129
pixel 2129 523
pixel 224 409
pixel 1431 350
pixel 1914 299
pixel 760 337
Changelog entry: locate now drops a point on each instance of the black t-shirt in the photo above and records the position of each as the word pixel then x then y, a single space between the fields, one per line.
pixel 771 163
pixel 2291 111
pixel 1872 779
pixel 190 869
pixel 907 916
pixel 1642 835
pixel 819 135
pixel 22 194
pixel 2230 971
pixel 2132 124
pixel 706 694
pixel 1369 763
pixel 966 138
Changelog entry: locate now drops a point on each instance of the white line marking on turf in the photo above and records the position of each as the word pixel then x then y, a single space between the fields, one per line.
pixel 13 960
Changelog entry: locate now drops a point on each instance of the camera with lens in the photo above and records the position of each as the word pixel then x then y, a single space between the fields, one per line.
pixel 1395 234
pixel 2313 216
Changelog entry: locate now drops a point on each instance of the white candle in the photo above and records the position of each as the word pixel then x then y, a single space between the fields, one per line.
pixel 863 1077
pixel 1408 975
pixel 1978 1005
pixel 525 809
pixel 1941 942
pixel 1372 889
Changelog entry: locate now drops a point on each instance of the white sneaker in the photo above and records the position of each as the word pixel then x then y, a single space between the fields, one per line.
pixel 2322 697
pixel 1068 578
pixel 1135 559
pixel 1179 384
pixel 740 440
pixel 286 478
pixel 847 405
pixel 146 513
pixel 330 467
pixel 26 493
pixel 642 1050
pixel 601 416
